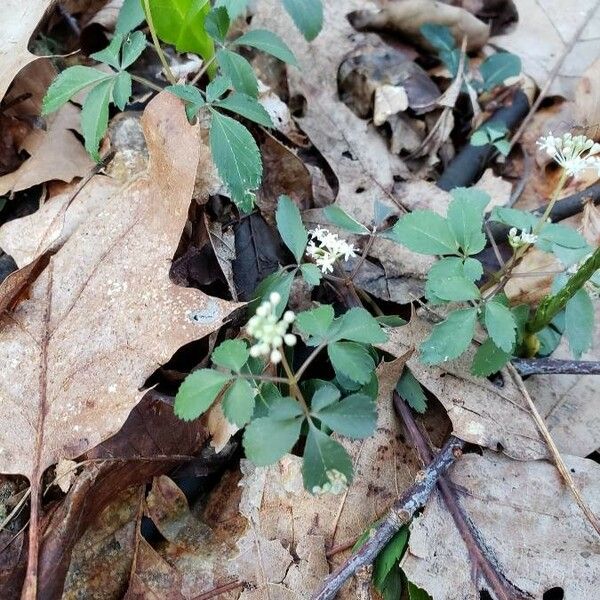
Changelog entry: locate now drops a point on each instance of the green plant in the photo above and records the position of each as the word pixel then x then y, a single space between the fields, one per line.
pixel 493 71
pixel 452 281
pixel 190 26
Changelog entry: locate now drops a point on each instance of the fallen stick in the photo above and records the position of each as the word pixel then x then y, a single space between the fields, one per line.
pixel 401 513
pixel 551 366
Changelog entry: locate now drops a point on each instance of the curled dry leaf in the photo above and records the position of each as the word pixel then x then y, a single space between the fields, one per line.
pixel 527 520
pixel 552 25
pixel 19 21
pixel 407 17
pixel 97 321
pixel 495 416
pixel 54 151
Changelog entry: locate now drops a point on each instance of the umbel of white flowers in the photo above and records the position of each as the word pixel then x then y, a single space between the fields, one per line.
pixel 270 332
pixel 516 239
pixel 574 153
pixel 330 247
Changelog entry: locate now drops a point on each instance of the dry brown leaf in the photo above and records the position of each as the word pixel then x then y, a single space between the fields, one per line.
pixel 590 223
pixel 481 412
pixel 587 101
pixel 19 20
pixel 498 188
pixel 540 38
pixel 407 17
pixel 525 517
pixel 103 556
pixel 389 100
pixel 52 225
pixel 104 314
pixel 54 152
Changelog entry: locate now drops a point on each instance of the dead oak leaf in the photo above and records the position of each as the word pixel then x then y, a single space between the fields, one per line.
pixel 19 20
pixel 104 315
pixel 527 520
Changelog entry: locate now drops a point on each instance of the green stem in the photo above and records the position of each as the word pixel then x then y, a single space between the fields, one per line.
pixel 309 360
pixel 146 82
pixel 552 305
pixel 263 378
pixel 205 67
pixel 163 59
pixel 294 388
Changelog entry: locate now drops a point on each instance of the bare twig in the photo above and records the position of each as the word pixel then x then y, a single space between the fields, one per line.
pixel 480 557
pixel 554 452
pixel 401 513
pixel 552 366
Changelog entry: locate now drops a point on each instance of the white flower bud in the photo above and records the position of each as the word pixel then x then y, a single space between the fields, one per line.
pixel 274 298
pixel 276 341
pixel 275 356
pixel 255 351
pixel 289 339
pixel 262 310
pixel 289 316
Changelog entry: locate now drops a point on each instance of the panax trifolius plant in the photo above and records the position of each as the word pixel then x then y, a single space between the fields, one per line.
pixel 192 27
pixel 453 280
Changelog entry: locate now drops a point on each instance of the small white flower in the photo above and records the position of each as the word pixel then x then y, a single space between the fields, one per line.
pixel 275 356
pixel 330 248
pixel 574 154
pixel 516 239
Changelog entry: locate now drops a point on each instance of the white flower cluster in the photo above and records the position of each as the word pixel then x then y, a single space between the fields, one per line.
pixel 516 239
pixel 337 483
pixel 269 331
pixel 574 153
pixel 330 247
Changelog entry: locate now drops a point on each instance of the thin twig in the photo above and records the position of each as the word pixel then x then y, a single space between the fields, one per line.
pixel 401 513
pixel 479 555
pixel 554 452
pixel 222 589
pixel 552 366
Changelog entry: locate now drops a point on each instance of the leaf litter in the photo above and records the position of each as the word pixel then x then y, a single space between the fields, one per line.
pixel 90 315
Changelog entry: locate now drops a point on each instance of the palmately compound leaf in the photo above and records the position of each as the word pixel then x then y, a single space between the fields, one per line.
pixel 355 416
pixel 237 159
pixel 311 273
pixel 239 71
pixel 68 83
pixel 465 217
pixel 307 15
pixel 181 23
pixel 290 226
pixel 567 237
pixel 451 280
pixel 579 323
pixel 410 390
pixel 450 338
pixel 322 457
pixel 197 392
pixel 238 402
pixel 231 354
pixel 500 324
pixel 217 87
pixel 268 42
pixel 351 360
pixel 337 216
pixel 267 439
pixel 497 68
pixel 247 107
pixel 489 359
pixel 359 325
pixel 315 322
pixel 425 232
pixel 216 23
pixel 122 89
pixel 94 116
